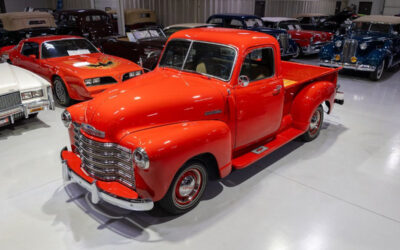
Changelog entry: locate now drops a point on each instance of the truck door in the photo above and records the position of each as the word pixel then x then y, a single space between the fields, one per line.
pixel 259 97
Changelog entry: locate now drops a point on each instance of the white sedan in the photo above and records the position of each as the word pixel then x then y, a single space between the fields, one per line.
pixel 22 94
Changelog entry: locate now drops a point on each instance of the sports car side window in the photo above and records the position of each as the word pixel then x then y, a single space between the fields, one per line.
pixel 259 64
pixel 30 48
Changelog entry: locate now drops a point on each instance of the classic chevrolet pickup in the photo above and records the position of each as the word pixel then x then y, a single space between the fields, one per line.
pixel 219 99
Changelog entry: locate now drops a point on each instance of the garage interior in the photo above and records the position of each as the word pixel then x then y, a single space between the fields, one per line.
pixel 338 192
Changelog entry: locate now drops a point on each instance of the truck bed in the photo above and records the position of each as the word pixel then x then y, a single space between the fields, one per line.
pixel 295 74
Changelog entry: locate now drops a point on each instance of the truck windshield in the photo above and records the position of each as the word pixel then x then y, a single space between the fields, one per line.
pixel 67 47
pixel 214 60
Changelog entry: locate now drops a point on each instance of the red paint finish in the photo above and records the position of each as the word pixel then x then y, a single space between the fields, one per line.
pixel 70 68
pixel 164 112
pixel 303 37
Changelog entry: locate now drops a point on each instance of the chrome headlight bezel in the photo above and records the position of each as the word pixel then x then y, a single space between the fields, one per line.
pixel 92 81
pixel 338 43
pixel 363 46
pixel 66 118
pixel 140 158
pixel 130 75
pixel 26 95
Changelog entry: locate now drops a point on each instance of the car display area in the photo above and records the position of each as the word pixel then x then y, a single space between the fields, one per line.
pixel 220 145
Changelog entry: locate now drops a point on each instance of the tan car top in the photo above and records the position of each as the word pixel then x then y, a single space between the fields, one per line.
pixel 379 19
pixel 23 20
pixel 134 16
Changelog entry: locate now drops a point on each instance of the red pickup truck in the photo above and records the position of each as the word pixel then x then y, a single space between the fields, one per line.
pixel 219 99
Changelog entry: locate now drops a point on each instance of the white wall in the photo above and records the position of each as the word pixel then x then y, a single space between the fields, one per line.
pixel 19 5
pixel 391 7
pixel 289 8
pixel 377 5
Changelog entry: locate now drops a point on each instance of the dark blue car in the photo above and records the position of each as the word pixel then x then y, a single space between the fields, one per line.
pixel 372 44
pixel 254 23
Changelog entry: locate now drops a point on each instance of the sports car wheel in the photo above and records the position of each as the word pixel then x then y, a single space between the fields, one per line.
pixel 377 74
pixel 61 92
pixel 315 125
pixel 186 188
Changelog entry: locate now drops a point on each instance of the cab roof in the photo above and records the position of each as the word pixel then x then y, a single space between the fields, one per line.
pixel 42 39
pixel 238 38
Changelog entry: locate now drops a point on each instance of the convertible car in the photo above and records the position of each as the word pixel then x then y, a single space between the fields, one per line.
pixel 308 41
pixel 372 46
pixel 142 46
pixel 76 69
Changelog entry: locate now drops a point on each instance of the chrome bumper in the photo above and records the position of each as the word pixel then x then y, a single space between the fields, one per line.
pixel 312 49
pixel 359 67
pixel 339 98
pixel 97 195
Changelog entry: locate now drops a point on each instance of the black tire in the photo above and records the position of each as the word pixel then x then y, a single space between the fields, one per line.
pixel 61 92
pixel 176 201
pixel 299 52
pixel 378 73
pixel 315 125
pixel 34 115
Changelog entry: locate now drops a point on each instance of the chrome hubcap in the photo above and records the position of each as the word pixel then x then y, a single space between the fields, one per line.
pixel 315 122
pixel 187 186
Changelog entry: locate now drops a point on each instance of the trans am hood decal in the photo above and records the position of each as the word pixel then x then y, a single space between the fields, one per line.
pixel 94 63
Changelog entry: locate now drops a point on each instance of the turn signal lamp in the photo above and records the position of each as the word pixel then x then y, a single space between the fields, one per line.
pixel 337 57
pixel 353 59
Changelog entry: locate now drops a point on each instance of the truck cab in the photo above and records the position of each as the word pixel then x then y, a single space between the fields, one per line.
pixel 219 99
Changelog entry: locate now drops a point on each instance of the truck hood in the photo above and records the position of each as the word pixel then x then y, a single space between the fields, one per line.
pixel 14 78
pixel 93 65
pixel 161 97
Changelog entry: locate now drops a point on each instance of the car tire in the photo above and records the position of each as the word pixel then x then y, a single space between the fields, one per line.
pixel 299 53
pixel 61 92
pixel 378 73
pixel 315 125
pixel 186 188
pixel 34 115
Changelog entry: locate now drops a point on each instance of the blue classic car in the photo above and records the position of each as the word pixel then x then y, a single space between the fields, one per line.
pixel 373 45
pixel 254 23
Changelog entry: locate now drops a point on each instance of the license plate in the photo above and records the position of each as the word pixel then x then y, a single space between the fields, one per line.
pixel 36 109
pixel 4 121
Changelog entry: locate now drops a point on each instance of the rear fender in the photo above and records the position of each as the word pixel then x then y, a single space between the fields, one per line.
pixel 308 100
pixel 170 146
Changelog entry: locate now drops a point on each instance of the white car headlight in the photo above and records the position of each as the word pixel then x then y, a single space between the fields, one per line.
pixel 141 158
pixel 92 81
pixel 130 75
pixel 363 46
pixel 66 118
pixel 31 94
pixel 338 43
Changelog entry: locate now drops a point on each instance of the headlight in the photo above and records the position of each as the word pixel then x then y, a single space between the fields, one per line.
pixel 363 46
pixel 130 75
pixel 31 94
pixel 66 118
pixel 338 43
pixel 141 158
pixel 311 39
pixel 92 81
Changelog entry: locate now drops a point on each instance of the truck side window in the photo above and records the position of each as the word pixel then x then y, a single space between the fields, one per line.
pixel 259 64
pixel 30 48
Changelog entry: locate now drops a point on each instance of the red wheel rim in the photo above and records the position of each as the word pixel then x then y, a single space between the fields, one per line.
pixel 315 122
pixel 187 187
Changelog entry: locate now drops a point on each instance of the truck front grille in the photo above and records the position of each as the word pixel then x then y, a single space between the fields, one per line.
pixel 349 50
pixel 284 42
pixel 105 161
pixel 10 100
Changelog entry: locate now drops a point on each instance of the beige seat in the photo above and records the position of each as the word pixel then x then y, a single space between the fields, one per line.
pixel 201 68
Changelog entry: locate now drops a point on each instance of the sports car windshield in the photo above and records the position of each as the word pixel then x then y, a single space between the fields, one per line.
pixel 208 59
pixel 67 47
pixel 373 27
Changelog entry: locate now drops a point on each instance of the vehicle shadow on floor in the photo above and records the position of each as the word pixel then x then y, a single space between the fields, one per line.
pixel 364 76
pixel 21 126
pixel 157 225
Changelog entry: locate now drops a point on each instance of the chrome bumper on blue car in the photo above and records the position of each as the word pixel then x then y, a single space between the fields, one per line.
pixel 354 66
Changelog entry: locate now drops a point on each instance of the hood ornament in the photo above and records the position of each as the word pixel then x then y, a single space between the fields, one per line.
pixel 89 129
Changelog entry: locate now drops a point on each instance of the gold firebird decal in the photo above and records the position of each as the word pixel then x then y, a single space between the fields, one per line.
pixel 103 63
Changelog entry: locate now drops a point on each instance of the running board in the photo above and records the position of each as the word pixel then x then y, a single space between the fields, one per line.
pixel 258 153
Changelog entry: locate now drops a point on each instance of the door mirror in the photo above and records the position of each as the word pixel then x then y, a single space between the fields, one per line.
pixel 33 56
pixel 244 81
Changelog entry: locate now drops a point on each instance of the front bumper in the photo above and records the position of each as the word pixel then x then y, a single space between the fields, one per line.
pixel 353 66
pixel 26 109
pixel 312 49
pixel 92 185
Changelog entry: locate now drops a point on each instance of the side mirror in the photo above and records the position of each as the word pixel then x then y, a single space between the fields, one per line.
pixel 33 56
pixel 244 81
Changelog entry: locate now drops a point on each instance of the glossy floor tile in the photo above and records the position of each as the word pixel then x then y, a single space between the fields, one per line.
pixel 337 192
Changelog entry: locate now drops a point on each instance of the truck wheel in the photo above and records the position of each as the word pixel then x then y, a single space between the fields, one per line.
pixel 377 74
pixel 315 125
pixel 60 92
pixel 186 188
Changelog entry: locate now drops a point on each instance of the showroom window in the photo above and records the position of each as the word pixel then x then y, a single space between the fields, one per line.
pixel 258 64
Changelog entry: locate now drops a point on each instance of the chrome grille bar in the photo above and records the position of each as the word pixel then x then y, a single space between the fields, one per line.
pixel 105 161
pixel 349 50
pixel 10 100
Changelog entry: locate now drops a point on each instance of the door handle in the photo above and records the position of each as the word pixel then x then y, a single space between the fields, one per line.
pixel 277 90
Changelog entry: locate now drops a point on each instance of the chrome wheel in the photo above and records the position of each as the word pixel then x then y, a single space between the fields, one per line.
pixel 315 122
pixel 188 186
pixel 60 91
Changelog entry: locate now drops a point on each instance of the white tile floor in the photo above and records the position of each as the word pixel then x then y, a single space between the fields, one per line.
pixel 340 191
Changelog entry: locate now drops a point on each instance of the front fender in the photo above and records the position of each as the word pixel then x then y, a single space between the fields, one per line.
pixel 308 100
pixel 376 57
pixel 170 146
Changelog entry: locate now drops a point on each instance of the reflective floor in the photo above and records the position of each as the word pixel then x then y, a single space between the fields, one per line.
pixel 340 191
